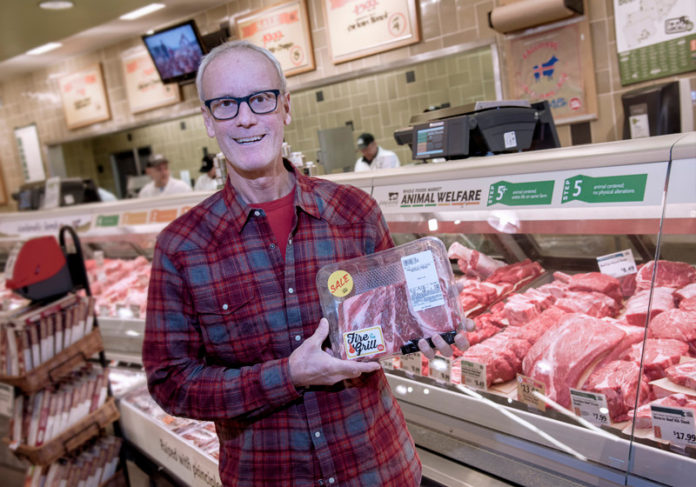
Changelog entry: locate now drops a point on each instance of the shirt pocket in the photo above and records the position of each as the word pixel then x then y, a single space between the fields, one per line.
pixel 232 324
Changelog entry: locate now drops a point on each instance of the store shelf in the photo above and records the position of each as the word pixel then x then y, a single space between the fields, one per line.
pixel 58 367
pixel 72 438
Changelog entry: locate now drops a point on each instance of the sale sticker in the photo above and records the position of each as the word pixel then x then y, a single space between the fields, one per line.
pixel 675 425
pixel 526 386
pixel 618 264
pixel 340 283
pixel 590 406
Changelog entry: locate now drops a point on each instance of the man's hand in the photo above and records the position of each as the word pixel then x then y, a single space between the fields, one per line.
pixel 442 346
pixel 310 365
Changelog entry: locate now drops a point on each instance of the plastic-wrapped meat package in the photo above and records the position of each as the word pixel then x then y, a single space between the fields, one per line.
pixel 381 304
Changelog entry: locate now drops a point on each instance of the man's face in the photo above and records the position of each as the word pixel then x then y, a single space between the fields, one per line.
pixel 251 143
pixel 370 151
pixel 159 174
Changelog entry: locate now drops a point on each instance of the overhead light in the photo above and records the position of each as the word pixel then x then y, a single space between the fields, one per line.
pixel 143 11
pixel 56 4
pixel 45 48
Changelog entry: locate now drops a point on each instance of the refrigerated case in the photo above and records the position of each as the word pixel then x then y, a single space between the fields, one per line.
pixel 562 208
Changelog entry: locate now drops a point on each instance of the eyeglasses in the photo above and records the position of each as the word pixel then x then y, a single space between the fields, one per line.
pixel 227 107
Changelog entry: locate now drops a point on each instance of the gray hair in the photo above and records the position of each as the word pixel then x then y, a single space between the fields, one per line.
pixel 230 46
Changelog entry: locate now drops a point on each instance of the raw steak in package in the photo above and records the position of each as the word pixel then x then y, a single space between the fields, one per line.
pixel 381 304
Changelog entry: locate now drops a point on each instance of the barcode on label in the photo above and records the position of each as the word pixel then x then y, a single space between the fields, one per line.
pixel 410 261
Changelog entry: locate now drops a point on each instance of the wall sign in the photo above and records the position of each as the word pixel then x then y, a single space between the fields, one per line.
pixel 554 64
pixel 144 87
pixel 283 29
pixel 84 97
pixel 359 28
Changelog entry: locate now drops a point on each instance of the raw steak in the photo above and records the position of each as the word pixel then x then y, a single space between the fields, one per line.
pixel 677 324
pixel 619 381
pixel 637 307
pixel 472 262
pixel 688 305
pixel 633 336
pixel 487 325
pixel 390 307
pixel 683 374
pixel 658 355
pixel 643 417
pixel 501 354
pixel 536 328
pixel 591 303
pixel 669 274
pixel 521 308
pixel 596 282
pixel 516 273
pixel 686 292
pixel 561 356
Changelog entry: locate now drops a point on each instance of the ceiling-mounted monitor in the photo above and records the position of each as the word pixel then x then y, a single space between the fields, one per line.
pixel 176 51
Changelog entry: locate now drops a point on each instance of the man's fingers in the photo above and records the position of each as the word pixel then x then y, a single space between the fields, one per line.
pixel 425 348
pixel 461 341
pixel 321 332
pixel 469 324
pixel 442 346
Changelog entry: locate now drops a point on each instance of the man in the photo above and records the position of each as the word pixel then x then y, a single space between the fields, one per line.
pixel 206 181
pixel 374 156
pixel 162 183
pixel 231 328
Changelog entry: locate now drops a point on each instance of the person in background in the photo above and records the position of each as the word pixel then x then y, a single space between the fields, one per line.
pixel 234 326
pixel 162 183
pixel 374 156
pixel 206 181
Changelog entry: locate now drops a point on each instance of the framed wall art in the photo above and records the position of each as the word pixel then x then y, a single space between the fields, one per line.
pixel 359 28
pixel 84 97
pixel 283 29
pixel 144 88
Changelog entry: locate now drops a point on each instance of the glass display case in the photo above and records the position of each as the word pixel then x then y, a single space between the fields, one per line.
pixel 578 267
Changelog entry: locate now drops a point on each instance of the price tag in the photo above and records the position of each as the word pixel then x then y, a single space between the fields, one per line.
pixel 617 264
pixel 526 386
pixel 473 374
pixel 6 399
pixel 675 425
pixel 590 406
pixel 412 363
pixel 99 258
pixel 440 368
pixel 387 363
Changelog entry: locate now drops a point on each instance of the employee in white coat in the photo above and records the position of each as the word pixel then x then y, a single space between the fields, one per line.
pixel 206 181
pixel 374 156
pixel 162 183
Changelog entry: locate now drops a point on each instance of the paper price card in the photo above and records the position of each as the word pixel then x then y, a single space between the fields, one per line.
pixel 6 399
pixel 440 368
pixel 590 406
pixel 473 374
pixel 526 386
pixel 675 425
pixel 618 264
pixel 412 363
pixel 387 363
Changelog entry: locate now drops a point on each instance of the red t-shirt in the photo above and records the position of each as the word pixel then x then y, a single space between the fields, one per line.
pixel 280 213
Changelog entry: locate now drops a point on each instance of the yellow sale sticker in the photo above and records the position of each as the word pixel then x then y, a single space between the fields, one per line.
pixel 340 283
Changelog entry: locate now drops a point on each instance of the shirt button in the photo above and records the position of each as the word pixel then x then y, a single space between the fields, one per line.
pixel 291 290
pixel 317 434
pixel 225 306
pixel 289 241
pixel 298 338
pixel 331 480
pixel 272 246
pixel 257 213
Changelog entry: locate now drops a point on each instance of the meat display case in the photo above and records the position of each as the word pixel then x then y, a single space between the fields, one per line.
pixel 562 208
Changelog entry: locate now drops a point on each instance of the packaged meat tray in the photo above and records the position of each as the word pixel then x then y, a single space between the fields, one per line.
pixel 381 304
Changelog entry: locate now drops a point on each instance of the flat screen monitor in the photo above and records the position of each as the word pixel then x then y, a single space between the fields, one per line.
pixel 176 51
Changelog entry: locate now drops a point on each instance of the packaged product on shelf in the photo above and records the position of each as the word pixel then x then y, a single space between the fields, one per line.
pixel 381 304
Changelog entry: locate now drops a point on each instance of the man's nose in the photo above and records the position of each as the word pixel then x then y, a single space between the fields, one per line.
pixel 245 116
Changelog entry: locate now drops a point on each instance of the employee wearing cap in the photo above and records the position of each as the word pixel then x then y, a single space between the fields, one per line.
pixel 374 156
pixel 162 183
pixel 206 181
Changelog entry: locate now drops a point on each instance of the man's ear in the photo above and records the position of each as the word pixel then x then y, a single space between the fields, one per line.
pixel 209 122
pixel 286 106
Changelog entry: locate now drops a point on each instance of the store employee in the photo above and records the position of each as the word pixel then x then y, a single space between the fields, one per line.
pixel 162 183
pixel 374 156
pixel 206 181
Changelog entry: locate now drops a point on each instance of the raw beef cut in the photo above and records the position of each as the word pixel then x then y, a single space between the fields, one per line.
pixel 501 354
pixel 669 274
pixel 633 336
pixel 637 306
pixel 521 308
pixel 685 293
pixel 683 374
pixel 487 325
pixel 596 282
pixel 688 305
pixel 472 262
pixel 643 418
pixel 591 303
pixel 536 328
pixel 677 324
pixel 620 382
pixel 561 356
pixel 516 273
pixel 659 354
pixel 390 308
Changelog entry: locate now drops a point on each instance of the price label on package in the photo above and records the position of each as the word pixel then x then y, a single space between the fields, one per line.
pixel 473 374
pixel 440 368
pixel 590 406
pixel 675 425
pixel 526 387
pixel 618 264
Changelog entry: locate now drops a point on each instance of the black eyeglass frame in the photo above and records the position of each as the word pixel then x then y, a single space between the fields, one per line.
pixel 240 100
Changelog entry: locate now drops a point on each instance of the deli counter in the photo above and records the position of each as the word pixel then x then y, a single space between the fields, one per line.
pixel 624 209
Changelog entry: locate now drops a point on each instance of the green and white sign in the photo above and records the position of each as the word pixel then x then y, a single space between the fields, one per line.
pixel 520 194
pixel 609 189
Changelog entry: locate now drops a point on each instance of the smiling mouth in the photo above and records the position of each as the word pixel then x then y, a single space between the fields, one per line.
pixel 248 140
